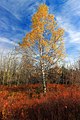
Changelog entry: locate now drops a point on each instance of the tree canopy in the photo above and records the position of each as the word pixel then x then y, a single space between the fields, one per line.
pixel 45 40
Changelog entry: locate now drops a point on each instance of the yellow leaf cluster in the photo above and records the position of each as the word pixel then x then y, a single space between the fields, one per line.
pixel 50 27
pixel 36 21
pixel 43 10
pixel 58 51
pixel 25 45
pixel 54 46
pixel 60 31
pixel 42 22
pixel 47 49
pixel 41 13
pixel 57 34
pixel 46 57
pixel 50 17
pixel 43 42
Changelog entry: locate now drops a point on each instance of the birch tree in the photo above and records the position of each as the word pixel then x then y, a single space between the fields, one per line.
pixel 45 40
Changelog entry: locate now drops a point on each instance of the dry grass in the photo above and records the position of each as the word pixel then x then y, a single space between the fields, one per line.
pixel 27 102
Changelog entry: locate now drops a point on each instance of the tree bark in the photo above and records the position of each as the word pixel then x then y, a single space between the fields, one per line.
pixel 44 79
pixel 42 69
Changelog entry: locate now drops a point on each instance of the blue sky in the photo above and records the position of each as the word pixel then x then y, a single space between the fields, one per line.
pixel 15 22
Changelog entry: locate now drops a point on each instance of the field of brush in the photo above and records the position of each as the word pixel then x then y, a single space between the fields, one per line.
pixel 27 102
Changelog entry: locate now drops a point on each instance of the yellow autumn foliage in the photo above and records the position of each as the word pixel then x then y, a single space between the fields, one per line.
pixel 43 42
pixel 42 21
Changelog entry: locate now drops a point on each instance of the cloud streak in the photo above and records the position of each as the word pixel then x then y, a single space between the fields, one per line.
pixel 15 20
pixel 5 40
pixel 69 20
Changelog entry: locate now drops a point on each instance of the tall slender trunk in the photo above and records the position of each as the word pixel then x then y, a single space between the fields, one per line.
pixel 43 77
pixel 42 68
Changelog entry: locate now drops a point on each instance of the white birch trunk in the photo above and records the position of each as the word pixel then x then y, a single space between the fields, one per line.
pixel 43 77
pixel 42 69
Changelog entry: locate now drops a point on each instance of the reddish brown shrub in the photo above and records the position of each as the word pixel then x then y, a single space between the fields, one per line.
pixel 60 103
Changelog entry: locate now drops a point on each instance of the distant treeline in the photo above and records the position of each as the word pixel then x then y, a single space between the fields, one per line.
pixel 17 68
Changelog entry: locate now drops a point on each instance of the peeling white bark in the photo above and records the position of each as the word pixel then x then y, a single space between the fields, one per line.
pixel 42 69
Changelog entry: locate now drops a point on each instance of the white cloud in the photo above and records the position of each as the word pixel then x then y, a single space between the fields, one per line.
pixel 5 40
pixel 73 34
pixel 75 37
pixel 70 9
pixel 70 59
pixel 70 62
pixel 71 6
pixel 6 46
